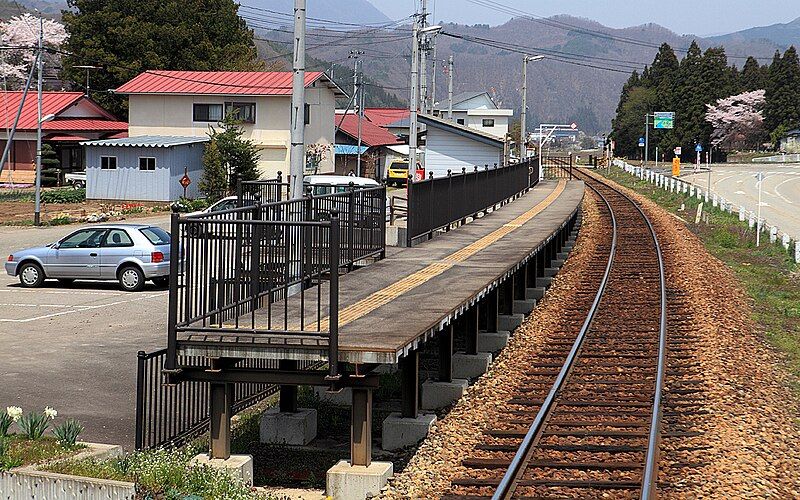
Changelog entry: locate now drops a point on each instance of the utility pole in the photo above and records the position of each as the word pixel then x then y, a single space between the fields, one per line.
pixel 432 97
pixel 412 135
pixel 450 87
pixel 646 136
pixel 423 56
pixel 40 67
pixel 524 115
pixel 297 152
pixel 358 98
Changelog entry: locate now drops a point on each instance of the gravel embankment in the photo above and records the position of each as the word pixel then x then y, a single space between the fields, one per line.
pixel 454 437
pixel 748 419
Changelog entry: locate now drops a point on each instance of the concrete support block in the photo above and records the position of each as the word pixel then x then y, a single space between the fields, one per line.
pixel 356 482
pixel 296 429
pixel 492 341
pixel 237 466
pixel 509 322
pixel 399 432
pixel 470 366
pixel 440 394
pixel 544 282
pixel 535 293
pixel 549 272
pixel 557 263
pixel 341 398
pixel 562 256
pixel 524 306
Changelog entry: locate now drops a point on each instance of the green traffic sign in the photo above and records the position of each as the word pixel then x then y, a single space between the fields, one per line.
pixel 664 120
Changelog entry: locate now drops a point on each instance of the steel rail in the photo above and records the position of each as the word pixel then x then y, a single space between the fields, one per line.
pixel 509 482
pixel 650 476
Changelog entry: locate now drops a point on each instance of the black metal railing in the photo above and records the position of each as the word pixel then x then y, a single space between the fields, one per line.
pixel 263 191
pixel 436 203
pixel 175 414
pixel 262 269
pixel 557 167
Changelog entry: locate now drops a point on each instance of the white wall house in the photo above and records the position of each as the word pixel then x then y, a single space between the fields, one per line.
pixel 450 146
pixel 477 110
pixel 190 103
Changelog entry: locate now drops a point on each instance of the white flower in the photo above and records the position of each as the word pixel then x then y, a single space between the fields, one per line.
pixel 51 413
pixel 15 412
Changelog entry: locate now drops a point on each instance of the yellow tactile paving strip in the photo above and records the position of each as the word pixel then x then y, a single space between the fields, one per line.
pixel 393 291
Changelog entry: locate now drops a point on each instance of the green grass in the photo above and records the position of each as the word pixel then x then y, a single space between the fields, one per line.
pixel 22 451
pixel 768 273
pixel 163 474
pixel 16 195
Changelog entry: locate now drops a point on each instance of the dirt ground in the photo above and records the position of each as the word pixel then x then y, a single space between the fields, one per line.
pixel 21 212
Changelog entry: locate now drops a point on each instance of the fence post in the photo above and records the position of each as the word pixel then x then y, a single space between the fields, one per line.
pixel 172 315
pixel 333 314
pixel 280 186
pixel 239 190
pixel 570 166
pixel 410 215
pixel 141 359
pixel 449 197
pixel 463 190
pixel 351 211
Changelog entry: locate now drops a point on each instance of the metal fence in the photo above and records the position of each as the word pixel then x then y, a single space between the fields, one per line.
pixel 557 167
pixel 264 191
pixel 176 414
pixel 436 203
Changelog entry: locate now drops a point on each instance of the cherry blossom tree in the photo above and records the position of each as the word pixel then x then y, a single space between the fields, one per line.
pixel 738 120
pixel 21 33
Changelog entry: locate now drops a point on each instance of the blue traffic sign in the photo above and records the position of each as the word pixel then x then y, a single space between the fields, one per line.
pixel 641 142
pixel 699 148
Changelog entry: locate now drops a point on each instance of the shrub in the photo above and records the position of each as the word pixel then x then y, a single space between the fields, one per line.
pixel 68 432
pixel 184 205
pixel 64 195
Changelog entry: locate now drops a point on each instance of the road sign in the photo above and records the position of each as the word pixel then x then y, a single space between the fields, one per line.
pixel 641 142
pixel 699 148
pixel 573 126
pixel 664 120
pixel 678 151
pixel 185 181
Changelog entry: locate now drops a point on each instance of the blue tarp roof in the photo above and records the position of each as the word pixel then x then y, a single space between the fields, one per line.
pixel 348 149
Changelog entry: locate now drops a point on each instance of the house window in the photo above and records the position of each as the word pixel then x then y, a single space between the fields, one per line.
pixel 207 112
pixel 460 121
pixel 244 112
pixel 488 122
pixel 108 163
pixel 307 114
pixel 147 164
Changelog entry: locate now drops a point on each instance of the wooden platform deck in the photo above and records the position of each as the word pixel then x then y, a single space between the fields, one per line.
pixel 398 303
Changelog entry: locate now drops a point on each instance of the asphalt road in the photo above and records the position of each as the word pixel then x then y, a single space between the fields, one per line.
pixel 780 201
pixel 74 348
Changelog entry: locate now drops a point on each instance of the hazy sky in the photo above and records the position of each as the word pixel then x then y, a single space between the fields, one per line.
pixel 698 17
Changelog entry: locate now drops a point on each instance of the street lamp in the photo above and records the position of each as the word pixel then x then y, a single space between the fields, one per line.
pixel 523 150
pixel 87 68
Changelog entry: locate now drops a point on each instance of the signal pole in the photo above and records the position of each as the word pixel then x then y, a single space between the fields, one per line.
pixel 297 152
pixel 524 115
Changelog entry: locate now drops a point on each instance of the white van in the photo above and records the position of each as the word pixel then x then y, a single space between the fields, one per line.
pixel 327 184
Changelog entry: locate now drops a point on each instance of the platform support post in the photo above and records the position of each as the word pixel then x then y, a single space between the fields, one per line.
pixel 446 354
pixel 220 427
pixel 409 384
pixel 541 258
pixel 288 393
pixel 507 296
pixel 530 273
pixel 361 427
pixel 520 283
pixel 491 310
pixel 471 329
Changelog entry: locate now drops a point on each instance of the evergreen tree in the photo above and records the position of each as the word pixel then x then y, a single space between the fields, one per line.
pixel 127 37
pixel 214 181
pixel 753 76
pixel 239 156
pixel 782 109
pixel 628 125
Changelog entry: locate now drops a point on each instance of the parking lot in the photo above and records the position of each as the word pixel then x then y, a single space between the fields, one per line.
pixel 74 347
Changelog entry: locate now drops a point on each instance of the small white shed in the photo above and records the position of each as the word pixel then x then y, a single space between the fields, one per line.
pixel 450 146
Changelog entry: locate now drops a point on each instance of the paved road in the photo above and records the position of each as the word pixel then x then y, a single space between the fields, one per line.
pixel 74 348
pixel 780 202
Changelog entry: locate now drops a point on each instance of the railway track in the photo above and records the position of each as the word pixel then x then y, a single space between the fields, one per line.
pixel 586 422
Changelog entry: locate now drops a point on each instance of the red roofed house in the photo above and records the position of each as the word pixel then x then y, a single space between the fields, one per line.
pixel 374 142
pixel 70 117
pixel 188 103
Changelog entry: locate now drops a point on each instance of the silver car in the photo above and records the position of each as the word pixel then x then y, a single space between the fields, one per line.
pixel 129 253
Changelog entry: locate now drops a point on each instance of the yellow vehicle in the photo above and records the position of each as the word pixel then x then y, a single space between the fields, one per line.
pixel 397 173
